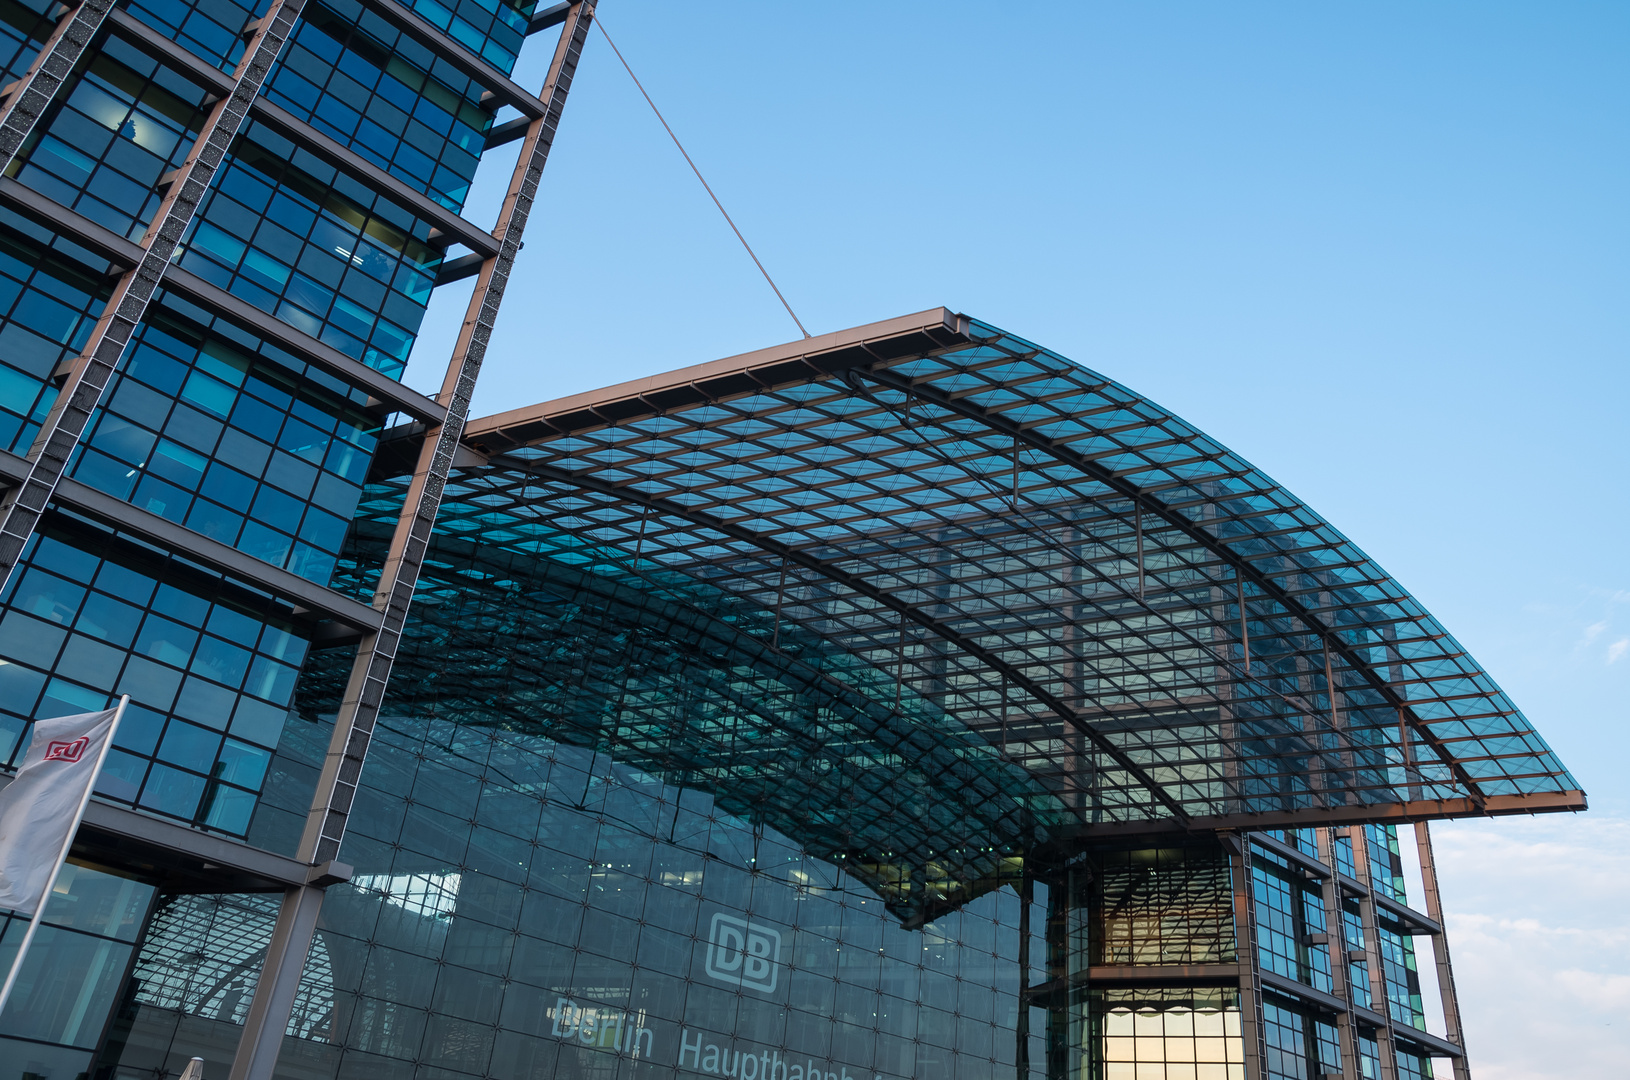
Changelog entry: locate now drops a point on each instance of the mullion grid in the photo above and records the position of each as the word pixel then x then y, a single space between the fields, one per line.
pixel 782 438
pixel 825 611
pixel 882 643
pixel 1146 568
pixel 748 745
pixel 988 599
pixel 1330 541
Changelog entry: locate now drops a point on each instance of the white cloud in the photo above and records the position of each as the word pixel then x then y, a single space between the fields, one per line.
pixel 1617 650
pixel 1595 990
pixel 1593 631
pixel 1540 937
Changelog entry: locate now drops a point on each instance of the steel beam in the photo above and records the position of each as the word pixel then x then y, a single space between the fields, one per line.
pixel 790 364
pixel 507 132
pixel 1429 1044
pixel 1252 1025
pixel 209 552
pixel 465 266
pixel 26 100
pixel 348 161
pixel 553 15
pixel 168 51
pixel 1293 988
pixel 51 214
pixel 1399 813
pixel 1455 1032
pixel 347 369
pixel 1379 1001
pixel 452 226
pixel 1307 862
pixel 1336 948
pixel 125 253
pixel 275 990
pixel 359 708
pixel 1412 920
pixel 215 863
pixel 198 548
pixel 502 88
pixel 185 856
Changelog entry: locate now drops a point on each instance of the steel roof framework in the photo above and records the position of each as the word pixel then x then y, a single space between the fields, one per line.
pixel 1149 625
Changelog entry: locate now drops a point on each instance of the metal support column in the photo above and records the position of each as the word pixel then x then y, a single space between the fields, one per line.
pixel 273 1001
pixel 1440 950
pixel 88 374
pixel 1249 960
pixel 27 99
pixel 1336 946
pixel 365 692
pixel 1021 1026
pixel 1379 1001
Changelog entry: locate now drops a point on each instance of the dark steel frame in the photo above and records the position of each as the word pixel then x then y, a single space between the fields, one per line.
pixel 872 367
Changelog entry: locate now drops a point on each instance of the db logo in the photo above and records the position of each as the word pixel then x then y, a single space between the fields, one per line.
pixel 67 751
pixel 743 953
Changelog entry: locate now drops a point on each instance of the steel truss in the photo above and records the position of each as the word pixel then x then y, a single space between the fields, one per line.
pixel 983 518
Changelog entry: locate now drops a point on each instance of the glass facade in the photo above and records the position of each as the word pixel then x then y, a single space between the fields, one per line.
pixel 209 665
pixel 52 300
pixel 316 248
pixel 216 429
pixel 920 705
pixel 360 81
pixel 75 971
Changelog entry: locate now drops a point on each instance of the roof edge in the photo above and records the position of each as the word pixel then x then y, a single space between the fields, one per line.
pixel 1554 802
pixel 743 373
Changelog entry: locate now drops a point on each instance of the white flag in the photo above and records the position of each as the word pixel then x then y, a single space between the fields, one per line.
pixel 41 804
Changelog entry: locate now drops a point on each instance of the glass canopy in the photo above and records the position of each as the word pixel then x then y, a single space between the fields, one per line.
pixel 928 556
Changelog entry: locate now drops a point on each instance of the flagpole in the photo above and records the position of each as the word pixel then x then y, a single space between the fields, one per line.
pixel 62 856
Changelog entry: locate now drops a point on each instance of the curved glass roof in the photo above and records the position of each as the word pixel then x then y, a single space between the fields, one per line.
pixel 1035 588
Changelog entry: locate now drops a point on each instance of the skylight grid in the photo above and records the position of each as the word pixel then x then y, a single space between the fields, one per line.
pixel 987 517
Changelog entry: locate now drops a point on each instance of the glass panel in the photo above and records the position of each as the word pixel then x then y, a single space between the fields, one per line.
pixel 370 88
pixel 211 28
pixel 492 29
pixel 211 428
pixel 209 667
pixel 74 968
pixel 286 233
pixel 121 124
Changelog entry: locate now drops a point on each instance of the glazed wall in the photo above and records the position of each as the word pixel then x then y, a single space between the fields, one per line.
pixel 528 908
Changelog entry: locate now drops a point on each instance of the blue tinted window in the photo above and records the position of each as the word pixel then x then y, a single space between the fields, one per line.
pixel 209 667
pixel 245 452
pixel 23 29
pixel 211 28
pixel 375 95
pixel 492 29
pixel 329 257
pixel 123 123
pixel 48 307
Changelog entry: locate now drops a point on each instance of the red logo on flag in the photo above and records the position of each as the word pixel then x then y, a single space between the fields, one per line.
pixel 67 751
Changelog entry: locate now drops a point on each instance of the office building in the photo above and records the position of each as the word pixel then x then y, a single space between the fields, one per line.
pixel 907 701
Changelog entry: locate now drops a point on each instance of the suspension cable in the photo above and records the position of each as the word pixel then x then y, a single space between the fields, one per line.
pixel 598 21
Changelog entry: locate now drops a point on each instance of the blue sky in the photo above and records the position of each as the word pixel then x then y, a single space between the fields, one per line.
pixel 1381 250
